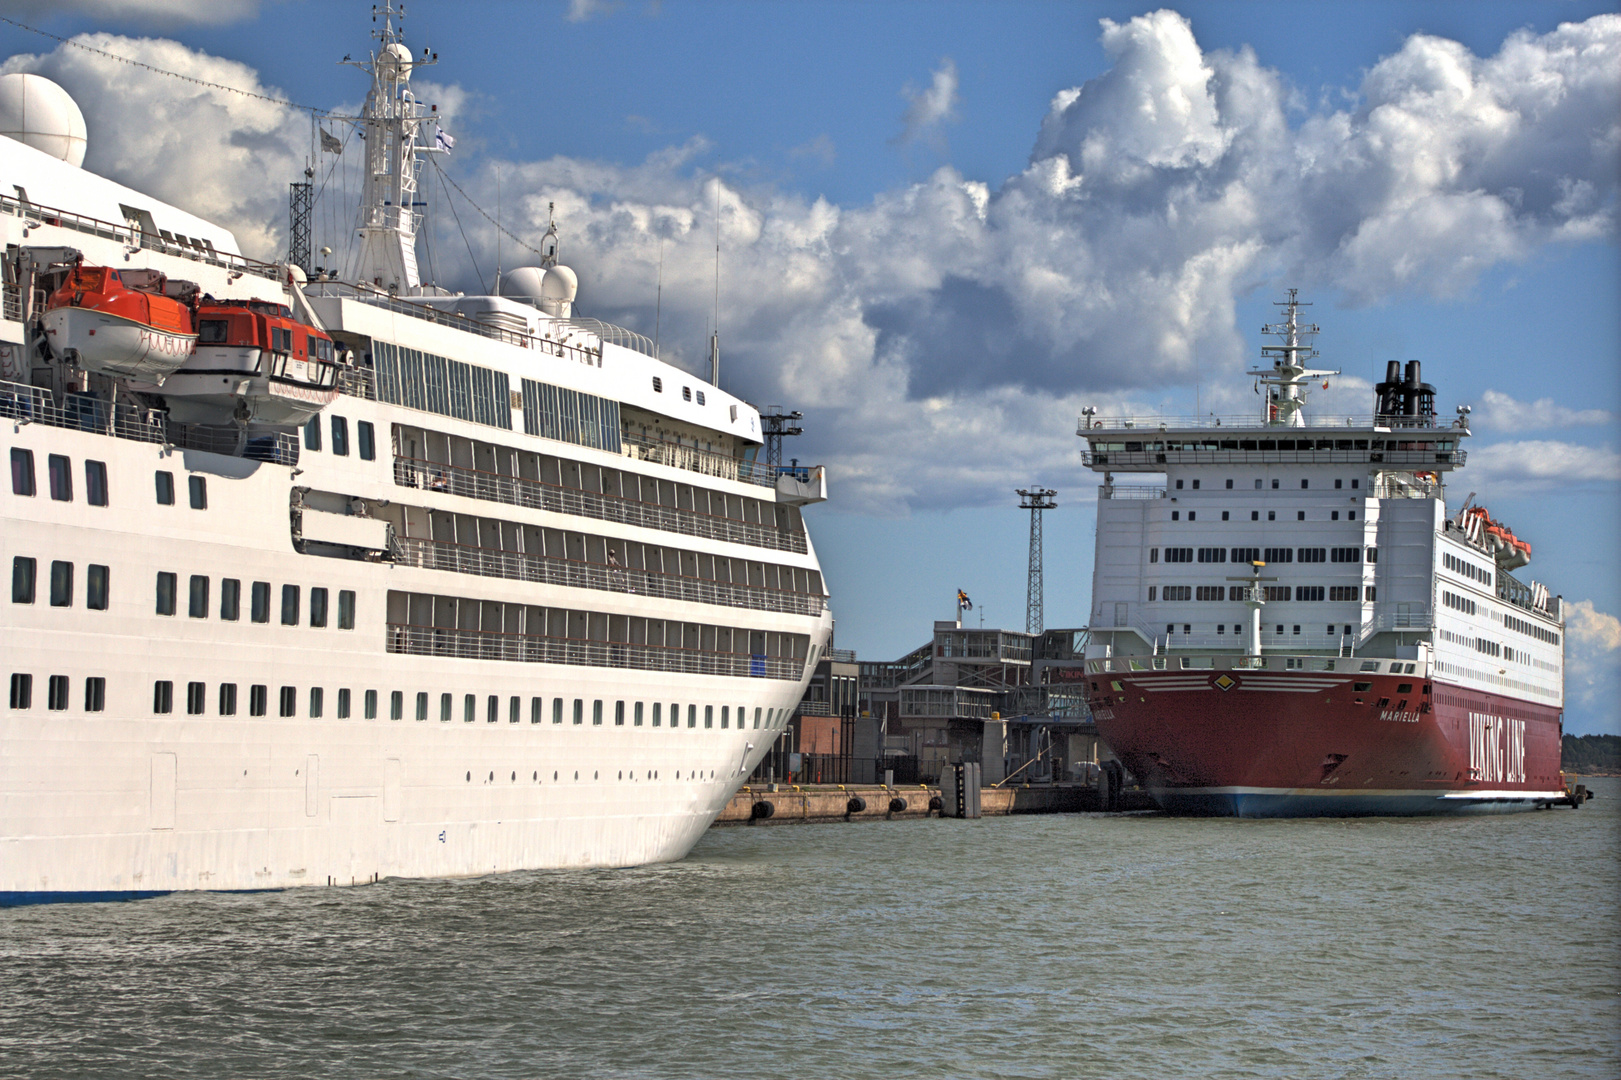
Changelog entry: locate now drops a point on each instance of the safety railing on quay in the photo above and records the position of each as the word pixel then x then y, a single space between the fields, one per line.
pixel 415 640
pixel 546 570
pixel 539 495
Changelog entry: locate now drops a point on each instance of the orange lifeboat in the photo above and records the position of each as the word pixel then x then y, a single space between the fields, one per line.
pixel 254 363
pixel 1509 550
pixel 130 323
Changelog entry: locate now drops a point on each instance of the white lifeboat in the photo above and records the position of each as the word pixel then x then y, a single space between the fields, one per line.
pixel 128 323
pixel 254 363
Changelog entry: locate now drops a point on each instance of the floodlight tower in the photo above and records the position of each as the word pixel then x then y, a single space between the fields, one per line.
pixel 774 424
pixel 1035 500
pixel 300 208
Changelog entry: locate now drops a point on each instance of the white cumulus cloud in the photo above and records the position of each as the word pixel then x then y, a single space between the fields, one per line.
pixel 1498 412
pixel 214 12
pixel 1593 659
pixel 1542 465
pixel 931 106
pixel 942 337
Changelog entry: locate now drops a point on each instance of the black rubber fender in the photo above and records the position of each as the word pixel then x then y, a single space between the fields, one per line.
pixel 936 803
pixel 897 805
pixel 856 805
pixel 762 810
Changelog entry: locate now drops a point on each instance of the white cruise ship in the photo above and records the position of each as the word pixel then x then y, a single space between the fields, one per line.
pixel 320 582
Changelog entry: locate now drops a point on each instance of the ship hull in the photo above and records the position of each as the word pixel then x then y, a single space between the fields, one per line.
pixel 1303 744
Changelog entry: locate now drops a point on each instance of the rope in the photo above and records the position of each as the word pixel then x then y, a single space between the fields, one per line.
pixel 446 177
pixel 171 74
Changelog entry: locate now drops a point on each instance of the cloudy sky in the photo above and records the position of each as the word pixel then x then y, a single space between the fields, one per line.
pixel 947 228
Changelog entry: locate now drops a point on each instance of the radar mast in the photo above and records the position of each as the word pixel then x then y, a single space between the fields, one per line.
pixel 1287 377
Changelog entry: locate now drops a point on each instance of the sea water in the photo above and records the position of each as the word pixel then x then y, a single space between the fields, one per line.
pixel 1132 945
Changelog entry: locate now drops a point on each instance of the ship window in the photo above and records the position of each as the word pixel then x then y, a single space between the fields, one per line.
pixel 61 584
pixel 396 705
pixel 724 711
pixel 227 699
pixel 1404 688
pixel 163 696
pixel 1153 555
pixel 686 393
pixel 1272 515
pixel 1255 515
pixel 95 483
pixel 557 711
pixel 1229 485
pixel 166 593
pixel 692 716
pixel 343 704
pixel 446 707
pixel 1309 592
pixel 757 716
pixel 492 709
pixel 1225 515
pixel 56 693
pixel 22 690
pixel 340 436
pixel 260 612
pixel 658 708
pixel 289 700
pixel 22 471
pixel 95 694
pixel 1179 485
pixel 1370 593
pixel 1152 590
pixel 196 698
pixel 1351 515
pixel 199 492
pixel 619 714
pixel 366 435
pixel 213 331
pixel 658 385
pixel 317 702
pixel 230 599
pixel 700 397
pixel 596 713
pixel 1176 515
pixel 514 709
pixel 1300 515
pixel 579 711
pixel 1297 630
pixel 346 609
pixel 59 471
pixel 289 605
pixel 1274 484
pixel 1339 483
pixel 1196 485
pixel 1335 516
pixel 371 704
pixel 637 719
pixel 312 434
pixel 198 606
pixel 1303 484
pixel 165 483
pixel 258 699
pixel 1373 555
pixel 318 604
pixel 1193 515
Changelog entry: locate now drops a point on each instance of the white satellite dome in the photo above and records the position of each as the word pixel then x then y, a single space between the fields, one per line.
pixel 561 285
pixel 36 111
pixel 395 61
pixel 527 283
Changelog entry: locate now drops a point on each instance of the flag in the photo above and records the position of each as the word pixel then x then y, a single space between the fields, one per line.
pixel 444 139
pixel 330 143
pixel 963 603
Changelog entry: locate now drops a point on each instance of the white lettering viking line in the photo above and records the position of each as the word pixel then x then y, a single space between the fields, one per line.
pixel 1496 749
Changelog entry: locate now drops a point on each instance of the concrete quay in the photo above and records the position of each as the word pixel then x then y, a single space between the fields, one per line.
pixel 875 802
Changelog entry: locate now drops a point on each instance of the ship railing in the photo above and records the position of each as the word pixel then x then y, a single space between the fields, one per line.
pixel 1415 460
pixel 842 656
pixel 1131 491
pixel 416 640
pixel 677 455
pixel 1086 425
pixel 539 495
pixel 548 570
pixel 342 290
pixel 203 251
pixel 1270 661
pixel 813 708
pixel 360 382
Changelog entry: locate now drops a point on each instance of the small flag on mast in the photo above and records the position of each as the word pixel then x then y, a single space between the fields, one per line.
pixel 330 143
pixel 444 139
pixel 963 603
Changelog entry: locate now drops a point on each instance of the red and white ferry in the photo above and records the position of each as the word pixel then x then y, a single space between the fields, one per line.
pixel 1294 624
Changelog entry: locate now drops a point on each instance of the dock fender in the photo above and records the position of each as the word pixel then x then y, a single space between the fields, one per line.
pixel 897 805
pixel 856 805
pixel 936 803
pixel 761 810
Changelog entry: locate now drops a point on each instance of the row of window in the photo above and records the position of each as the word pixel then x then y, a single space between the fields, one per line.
pixel 1466 568
pixel 230 607
pixel 1304 484
pixel 1458 603
pixel 1532 629
pixel 1255 515
pixel 24 582
pixel 1498 651
pixel 59 477
pixel 1272 593
pixel 420 380
pixel 365 436
pixel 1331 630
pixel 57 690
pixel 1268 555
pixel 686 392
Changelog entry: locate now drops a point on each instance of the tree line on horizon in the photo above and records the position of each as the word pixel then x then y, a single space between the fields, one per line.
pixel 1590 753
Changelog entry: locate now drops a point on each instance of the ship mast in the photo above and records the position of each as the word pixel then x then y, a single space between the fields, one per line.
pixel 1287 377
pixel 391 125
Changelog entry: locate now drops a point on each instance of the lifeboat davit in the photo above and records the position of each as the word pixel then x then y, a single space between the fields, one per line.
pixel 130 323
pixel 255 363
pixel 1509 550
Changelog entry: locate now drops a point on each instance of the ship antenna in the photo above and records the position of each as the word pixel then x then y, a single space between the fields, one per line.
pixel 658 299
pixel 714 340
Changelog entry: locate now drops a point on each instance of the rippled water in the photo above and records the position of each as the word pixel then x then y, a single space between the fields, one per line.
pixel 1060 946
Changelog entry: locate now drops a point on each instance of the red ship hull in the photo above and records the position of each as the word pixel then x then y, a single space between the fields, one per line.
pixel 1304 743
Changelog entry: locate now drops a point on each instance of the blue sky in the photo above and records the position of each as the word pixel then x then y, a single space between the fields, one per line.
pixel 940 266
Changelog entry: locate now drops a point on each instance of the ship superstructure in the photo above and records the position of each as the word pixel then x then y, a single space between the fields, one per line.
pixel 373 579
pixel 1294 623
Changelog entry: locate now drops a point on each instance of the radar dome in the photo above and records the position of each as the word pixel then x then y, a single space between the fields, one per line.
pixel 395 61
pixel 36 111
pixel 527 283
pixel 561 284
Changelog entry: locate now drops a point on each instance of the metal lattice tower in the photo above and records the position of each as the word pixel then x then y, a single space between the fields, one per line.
pixel 774 424
pixel 300 209
pixel 1035 500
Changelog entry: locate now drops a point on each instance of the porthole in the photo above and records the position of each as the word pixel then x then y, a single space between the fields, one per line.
pixel 576 774
pixel 469 776
pixel 514 776
pixel 554 774
pixel 535 776
pixel 621 774
pixel 593 774
pixel 492 774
